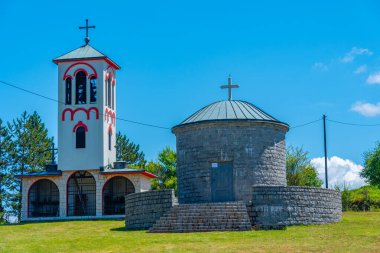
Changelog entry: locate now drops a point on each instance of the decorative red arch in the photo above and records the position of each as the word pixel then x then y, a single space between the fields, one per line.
pixel 87 111
pixel 78 63
pixel 79 70
pixel 80 124
pixel 28 196
pixel 105 184
pixel 110 129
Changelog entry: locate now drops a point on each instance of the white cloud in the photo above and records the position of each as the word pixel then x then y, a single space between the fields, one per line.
pixel 320 66
pixel 366 109
pixel 350 56
pixel 361 69
pixel 374 78
pixel 340 171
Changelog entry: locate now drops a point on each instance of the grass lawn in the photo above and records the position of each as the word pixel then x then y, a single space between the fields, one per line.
pixel 358 232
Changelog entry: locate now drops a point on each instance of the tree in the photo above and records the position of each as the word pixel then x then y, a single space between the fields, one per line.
pixel 299 171
pixel 129 152
pixel 165 170
pixel 371 171
pixel 4 167
pixel 29 139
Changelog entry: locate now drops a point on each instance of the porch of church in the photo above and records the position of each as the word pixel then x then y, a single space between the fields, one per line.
pixel 85 194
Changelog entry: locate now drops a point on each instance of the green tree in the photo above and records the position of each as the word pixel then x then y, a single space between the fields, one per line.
pixel 4 167
pixel 299 171
pixel 30 140
pixel 129 152
pixel 165 170
pixel 371 171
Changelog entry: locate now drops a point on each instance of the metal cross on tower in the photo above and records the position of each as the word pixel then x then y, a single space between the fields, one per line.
pixel 230 86
pixel 87 39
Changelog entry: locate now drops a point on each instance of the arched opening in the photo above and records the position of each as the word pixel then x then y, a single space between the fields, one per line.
pixel 80 86
pixel 43 199
pixel 93 90
pixel 114 193
pixel 109 92
pixel 81 194
pixel 80 135
pixel 68 91
pixel 109 141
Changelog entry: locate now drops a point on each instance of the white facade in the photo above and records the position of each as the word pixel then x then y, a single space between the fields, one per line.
pixel 98 118
pixel 85 184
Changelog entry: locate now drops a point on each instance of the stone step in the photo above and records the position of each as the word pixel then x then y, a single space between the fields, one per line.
pixel 229 216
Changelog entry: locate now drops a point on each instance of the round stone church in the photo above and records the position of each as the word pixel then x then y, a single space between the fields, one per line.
pixel 227 147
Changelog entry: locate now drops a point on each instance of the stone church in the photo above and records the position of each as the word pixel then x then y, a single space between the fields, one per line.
pixel 87 182
pixel 230 164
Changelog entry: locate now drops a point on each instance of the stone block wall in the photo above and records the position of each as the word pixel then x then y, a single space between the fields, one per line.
pixel 256 149
pixel 278 206
pixel 144 209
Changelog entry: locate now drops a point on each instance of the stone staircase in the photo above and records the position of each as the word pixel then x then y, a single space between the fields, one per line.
pixel 226 216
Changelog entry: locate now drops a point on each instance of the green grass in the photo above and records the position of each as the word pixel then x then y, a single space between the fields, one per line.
pixel 358 232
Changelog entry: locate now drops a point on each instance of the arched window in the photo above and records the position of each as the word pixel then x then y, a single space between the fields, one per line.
pixel 109 140
pixel 43 199
pixel 109 92
pixel 113 97
pixel 81 194
pixel 80 135
pixel 114 195
pixel 68 91
pixel 80 85
pixel 93 90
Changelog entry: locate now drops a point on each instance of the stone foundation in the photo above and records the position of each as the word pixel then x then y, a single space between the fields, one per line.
pixel 274 207
pixel 144 209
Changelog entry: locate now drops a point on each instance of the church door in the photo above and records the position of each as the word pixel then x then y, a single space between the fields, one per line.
pixel 222 182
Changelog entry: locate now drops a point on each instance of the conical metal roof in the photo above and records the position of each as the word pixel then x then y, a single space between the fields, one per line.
pixel 228 110
pixel 85 52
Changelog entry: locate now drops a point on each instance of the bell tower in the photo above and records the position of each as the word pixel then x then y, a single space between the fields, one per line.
pixel 87 108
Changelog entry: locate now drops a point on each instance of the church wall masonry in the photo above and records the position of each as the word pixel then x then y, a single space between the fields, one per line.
pixel 274 207
pixel 144 209
pixel 256 149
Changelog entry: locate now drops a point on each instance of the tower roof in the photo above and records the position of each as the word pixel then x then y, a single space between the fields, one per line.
pixel 85 52
pixel 230 110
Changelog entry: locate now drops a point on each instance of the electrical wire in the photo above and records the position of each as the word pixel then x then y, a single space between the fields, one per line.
pixel 305 124
pixel 353 124
pixel 60 102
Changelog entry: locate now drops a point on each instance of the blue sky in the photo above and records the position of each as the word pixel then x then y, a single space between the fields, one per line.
pixel 295 59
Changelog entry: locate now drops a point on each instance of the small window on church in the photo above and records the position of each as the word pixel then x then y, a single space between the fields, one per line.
pixel 109 141
pixel 68 91
pixel 80 137
pixel 113 97
pixel 109 93
pixel 93 91
pixel 80 84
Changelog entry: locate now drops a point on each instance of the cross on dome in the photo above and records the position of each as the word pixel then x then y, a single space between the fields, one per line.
pixel 87 39
pixel 229 86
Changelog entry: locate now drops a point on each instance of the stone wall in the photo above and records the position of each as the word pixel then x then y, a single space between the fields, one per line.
pixel 277 206
pixel 257 150
pixel 144 209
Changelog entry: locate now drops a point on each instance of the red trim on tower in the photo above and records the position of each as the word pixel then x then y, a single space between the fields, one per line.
pixel 80 124
pixel 78 63
pixel 91 76
pixel 96 112
pixel 68 76
pixel 110 129
pixel 87 111
pixel 79 70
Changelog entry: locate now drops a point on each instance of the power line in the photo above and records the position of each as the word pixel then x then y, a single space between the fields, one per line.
pixel 60 102
pixel 305 124
pixel 353 124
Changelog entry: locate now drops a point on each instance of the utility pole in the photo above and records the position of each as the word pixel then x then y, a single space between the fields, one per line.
pixel 325 145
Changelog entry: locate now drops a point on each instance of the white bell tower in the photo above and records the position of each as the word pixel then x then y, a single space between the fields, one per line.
pixel 87 112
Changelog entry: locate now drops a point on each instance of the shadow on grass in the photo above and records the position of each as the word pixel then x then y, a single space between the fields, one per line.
pixel 124 229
